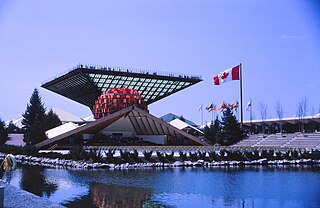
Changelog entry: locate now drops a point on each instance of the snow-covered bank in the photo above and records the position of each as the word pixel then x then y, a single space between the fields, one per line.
pixel 64 163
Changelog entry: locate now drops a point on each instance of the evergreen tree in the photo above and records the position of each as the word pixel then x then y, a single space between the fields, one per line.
pixel 230 129
pixel 211 132
pixel 33 120
pixel 13 129
pixel 182 119
pixel 51 120
pixel 3 132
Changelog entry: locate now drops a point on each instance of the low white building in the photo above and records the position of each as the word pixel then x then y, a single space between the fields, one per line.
pixel 185 126
pixel 61 129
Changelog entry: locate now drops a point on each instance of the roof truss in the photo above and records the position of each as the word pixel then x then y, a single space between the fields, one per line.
pixel 143 123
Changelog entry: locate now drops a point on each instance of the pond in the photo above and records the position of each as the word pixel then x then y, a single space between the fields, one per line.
pixel 254 186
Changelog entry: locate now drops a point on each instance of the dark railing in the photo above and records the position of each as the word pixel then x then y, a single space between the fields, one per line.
pixel 125 69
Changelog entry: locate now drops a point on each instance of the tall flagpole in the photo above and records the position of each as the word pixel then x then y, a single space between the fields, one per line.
pixel 201 114
pixel 250 116
pixel 201 108
pixel 241 106
pixel 212 114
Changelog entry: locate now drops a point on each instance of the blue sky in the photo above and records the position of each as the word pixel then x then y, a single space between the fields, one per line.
pixel 278 43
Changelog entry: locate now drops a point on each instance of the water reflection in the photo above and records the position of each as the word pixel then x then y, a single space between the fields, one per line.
pixel 78 202
pixel 115 196
pixel 118 196
pixel 255 186
pixel 34 181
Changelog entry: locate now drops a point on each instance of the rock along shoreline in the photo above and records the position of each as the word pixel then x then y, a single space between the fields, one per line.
pixel 64 163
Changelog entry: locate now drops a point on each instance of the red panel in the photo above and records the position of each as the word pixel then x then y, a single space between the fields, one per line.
pixel 114 100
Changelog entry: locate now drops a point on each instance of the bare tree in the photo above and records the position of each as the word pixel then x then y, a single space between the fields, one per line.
pixel 313 112
pixel 253 115
pixel 279 111
pixel 302 110
pixel 263 114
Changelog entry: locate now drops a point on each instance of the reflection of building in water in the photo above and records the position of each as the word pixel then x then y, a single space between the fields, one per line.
pixel 117 196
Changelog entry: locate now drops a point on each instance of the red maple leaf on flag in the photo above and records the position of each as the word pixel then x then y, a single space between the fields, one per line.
pixel 224 75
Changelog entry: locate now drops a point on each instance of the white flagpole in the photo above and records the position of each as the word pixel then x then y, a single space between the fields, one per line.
pixel 201 115
pixel 241 106
pixel 201 108
pixel 251 116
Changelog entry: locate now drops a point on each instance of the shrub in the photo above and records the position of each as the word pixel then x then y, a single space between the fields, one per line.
pixel 295 154
pixel 213 156
pixel 183 156
pixel 256 155
pixel 286 155
pixel 306 155
pixel 202 155
pixel 236 155
pixel 264 154
pixel 193 156
pixel 110 157
pixel 270 154
pixel 19 150
pixel 125 156
pixel 248 155
pixel 170 157
pixel 161 157
pixel 78 153
pixel 95 156
pixel 251 155
pixel 135 156
pixel 223 154
pixel 110 153
pixel 147 156
pixel 232 155
pixel 315 155
pixel 278 155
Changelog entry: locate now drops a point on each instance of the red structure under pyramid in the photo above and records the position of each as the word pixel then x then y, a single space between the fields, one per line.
pixel 116 99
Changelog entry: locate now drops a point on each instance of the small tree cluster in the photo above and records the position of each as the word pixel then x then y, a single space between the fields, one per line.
pixel 211 132
pixel 224 132
pixel 13 129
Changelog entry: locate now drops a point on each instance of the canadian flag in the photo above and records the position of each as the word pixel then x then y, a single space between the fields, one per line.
pixel 227 75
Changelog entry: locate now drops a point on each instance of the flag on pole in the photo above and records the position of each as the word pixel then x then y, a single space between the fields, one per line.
pixel 200 108
pixel 214 107
pixel 248 105
pixel 234 106
pixel 227 75
pixel 209 107
pixel 223 106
